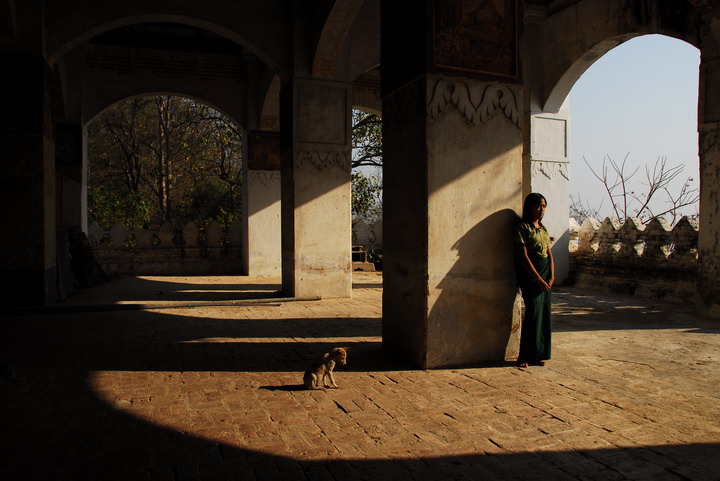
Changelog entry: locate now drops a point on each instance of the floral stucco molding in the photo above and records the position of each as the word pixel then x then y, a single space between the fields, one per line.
pixel 324 160
pixel 265 177
pixel 551 170
pixel 457 93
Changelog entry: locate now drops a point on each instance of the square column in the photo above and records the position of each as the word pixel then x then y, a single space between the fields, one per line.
pixel 27 175
pixel 453 185
pixel 708 287
pixel 261 191
pixel 316 186
pixel 549 175
pixel 453 142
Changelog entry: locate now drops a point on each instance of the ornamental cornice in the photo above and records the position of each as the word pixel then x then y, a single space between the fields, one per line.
pixel 551 170
pixel 265 177
pixel 323 160
pixel 493 98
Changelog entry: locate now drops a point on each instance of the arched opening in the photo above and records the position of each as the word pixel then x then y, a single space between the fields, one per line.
pixel 367 189
pixel 367 169
pixel 173 154
pixel 204 80
pixel 165 175
pixel 632 163
pixel 638 105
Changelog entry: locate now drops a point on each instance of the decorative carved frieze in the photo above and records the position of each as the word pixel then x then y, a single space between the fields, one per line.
pixel 457 93
pixel 551 170
pixel 265 177
pixel 323 160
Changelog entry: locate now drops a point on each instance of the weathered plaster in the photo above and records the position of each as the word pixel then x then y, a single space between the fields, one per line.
pixel 549 165
pixel 262 247
pixel 452 299
pixel 474 193
pixel 316 219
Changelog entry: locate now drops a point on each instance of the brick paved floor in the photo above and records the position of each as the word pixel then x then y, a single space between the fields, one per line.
pixel 213 392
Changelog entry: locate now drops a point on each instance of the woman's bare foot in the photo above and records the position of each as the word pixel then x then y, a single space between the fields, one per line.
pixel 523 364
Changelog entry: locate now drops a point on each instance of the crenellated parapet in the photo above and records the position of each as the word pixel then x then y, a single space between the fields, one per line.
pixel 649 260
pixel 632 240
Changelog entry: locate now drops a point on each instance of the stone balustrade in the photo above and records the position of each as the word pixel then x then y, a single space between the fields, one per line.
pixel 168 250
pixel 653 260
pixel 368 235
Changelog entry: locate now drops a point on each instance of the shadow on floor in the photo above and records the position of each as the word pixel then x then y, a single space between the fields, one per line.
pixel 577 310
pixel 55 425
pixel 156 289
pixel 153 340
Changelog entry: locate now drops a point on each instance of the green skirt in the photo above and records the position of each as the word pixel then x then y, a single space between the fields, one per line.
pixel 536 333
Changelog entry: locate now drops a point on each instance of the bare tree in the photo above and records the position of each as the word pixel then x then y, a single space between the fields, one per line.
pixel 580 210
pixel 627 202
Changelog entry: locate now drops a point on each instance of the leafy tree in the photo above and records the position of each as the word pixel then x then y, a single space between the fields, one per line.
pixel 367 152
pixel 108 207
pixel 366 197
pixel 366 139
pixel 165 157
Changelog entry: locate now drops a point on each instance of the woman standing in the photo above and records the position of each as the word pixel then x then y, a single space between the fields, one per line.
pixel 536 273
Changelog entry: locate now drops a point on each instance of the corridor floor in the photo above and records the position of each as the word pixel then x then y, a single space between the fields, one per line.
pixel 199 378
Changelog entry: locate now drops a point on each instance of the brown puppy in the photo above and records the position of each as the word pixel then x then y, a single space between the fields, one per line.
pixel 323 368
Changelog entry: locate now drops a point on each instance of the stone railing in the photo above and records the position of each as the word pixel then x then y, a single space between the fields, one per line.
pixel 188 250
pixel 370 236
pixel 168 250
pixel 653 260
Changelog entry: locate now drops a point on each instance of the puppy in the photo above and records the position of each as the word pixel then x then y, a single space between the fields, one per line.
pixel 323 368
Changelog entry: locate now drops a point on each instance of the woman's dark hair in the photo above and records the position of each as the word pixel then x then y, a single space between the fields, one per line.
pixel 531 201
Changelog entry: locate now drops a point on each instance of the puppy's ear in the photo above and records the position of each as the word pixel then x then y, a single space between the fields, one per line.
pixel 346 348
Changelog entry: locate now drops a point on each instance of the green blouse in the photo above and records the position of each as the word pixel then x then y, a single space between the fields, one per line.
pixel 535 239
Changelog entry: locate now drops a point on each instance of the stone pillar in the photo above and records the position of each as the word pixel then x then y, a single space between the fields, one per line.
pixel 708 287
pixel 27 174
pixel 315 178
pixel 261 188
pixel 71 165
pixel 452 144
pixel 549 162
pixel 547 147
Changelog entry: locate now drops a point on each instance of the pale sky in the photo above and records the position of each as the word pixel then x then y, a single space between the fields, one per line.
pixel 640 98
